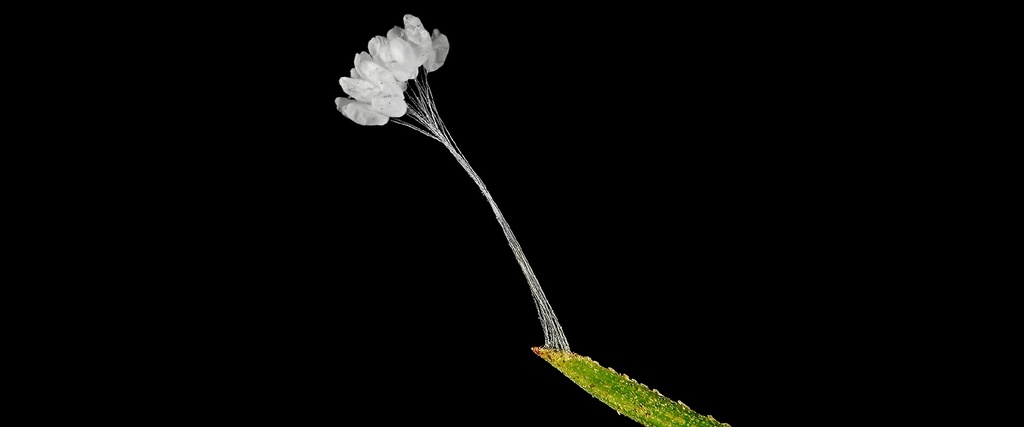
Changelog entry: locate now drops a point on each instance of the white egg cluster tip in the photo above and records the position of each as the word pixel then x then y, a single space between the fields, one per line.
pixel 381 75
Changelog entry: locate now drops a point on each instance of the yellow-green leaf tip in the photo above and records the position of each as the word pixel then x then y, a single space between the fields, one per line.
pixel 623 394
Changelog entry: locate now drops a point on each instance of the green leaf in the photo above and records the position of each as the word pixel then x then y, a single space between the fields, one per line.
pixel 623 394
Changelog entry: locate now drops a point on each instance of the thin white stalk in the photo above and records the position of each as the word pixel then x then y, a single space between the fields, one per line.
pixel 422 110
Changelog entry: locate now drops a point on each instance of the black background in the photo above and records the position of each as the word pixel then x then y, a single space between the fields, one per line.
pixel 772 213
pixel 683 182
